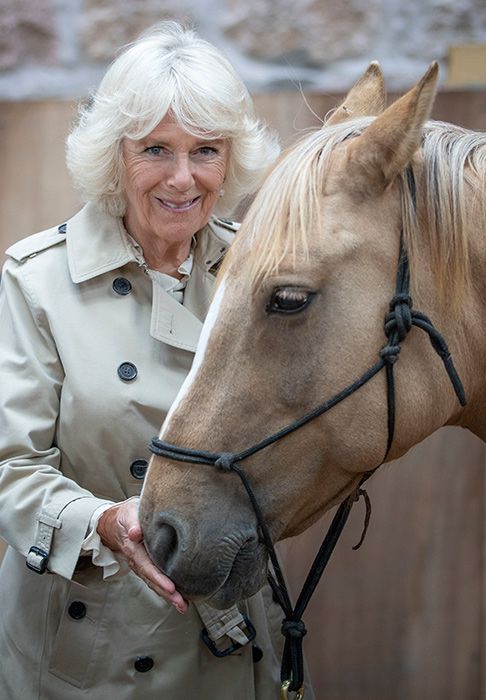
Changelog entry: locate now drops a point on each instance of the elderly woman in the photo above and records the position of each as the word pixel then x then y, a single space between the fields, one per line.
pixel 99 320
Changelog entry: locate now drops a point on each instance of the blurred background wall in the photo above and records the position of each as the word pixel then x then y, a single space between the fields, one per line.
pixel 60 48
pixel 404 618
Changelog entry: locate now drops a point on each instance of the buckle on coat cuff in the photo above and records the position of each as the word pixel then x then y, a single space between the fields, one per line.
pixel 37 559
pixel 250 633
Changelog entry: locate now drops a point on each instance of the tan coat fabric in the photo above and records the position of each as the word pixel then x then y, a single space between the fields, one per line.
pixel 70 429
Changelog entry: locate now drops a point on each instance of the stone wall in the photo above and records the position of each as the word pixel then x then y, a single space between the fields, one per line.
pixel 60 48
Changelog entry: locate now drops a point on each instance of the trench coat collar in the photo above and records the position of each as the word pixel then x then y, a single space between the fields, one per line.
pixel 98 243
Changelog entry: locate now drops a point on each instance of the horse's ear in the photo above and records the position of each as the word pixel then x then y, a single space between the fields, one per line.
pixel 387 146
pixel 366 98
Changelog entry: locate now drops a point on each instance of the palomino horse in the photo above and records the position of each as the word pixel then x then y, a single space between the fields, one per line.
pixel 299 315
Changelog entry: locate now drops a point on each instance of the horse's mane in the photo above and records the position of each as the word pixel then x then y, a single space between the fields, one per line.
pixel 287 207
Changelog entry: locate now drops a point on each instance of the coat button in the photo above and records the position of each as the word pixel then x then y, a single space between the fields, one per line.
pixel 256 653
pixel 143 664
pixel 127 371
pixel 138 468
pixel 77 610
pixel 122 286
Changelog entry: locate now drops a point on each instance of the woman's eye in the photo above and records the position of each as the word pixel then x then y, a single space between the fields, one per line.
pixel 155 150
pixel 289 300
pixel 207 151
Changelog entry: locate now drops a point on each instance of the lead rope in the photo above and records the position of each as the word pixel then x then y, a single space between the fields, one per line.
pixel 398 322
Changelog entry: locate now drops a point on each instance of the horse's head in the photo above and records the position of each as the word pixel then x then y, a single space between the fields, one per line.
pixel 297 316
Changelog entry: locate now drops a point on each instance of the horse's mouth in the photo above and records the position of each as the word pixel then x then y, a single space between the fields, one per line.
pixel 246 577
pixel 233 577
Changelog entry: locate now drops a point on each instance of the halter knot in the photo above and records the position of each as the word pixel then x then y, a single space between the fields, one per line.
pixel 400 317
pixel 225 461
pixel 293 628
pixel 401 298
pixel 390 353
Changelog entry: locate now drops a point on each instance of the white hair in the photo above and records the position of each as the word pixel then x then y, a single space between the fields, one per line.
pixel 171 68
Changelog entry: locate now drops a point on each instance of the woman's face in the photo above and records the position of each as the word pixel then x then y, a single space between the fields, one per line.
pixel 172 182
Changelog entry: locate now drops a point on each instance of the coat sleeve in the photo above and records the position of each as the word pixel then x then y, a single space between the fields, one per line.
pixel 38 505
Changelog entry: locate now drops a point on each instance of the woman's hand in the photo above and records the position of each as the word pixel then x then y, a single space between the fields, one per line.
pixel 119 529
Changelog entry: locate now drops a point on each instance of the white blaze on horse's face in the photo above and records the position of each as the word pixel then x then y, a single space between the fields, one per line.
pixel 198 359
pixel 281 340
pixel 200 352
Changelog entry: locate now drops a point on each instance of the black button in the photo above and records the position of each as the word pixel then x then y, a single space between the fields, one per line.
pixel 257 653
pixel 122 286
pixel 62 228
pixel 138 468
pixel 77 610
pixel 127 371
pixel 143 664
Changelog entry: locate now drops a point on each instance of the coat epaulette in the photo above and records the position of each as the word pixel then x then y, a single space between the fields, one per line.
pixel 225 229
pixel 227 224
pixel 29 247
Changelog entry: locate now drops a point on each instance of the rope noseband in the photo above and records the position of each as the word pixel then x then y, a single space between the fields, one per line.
pixel 398 322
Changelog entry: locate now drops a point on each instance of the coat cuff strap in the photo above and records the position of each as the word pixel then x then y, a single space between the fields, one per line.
pixel 38 555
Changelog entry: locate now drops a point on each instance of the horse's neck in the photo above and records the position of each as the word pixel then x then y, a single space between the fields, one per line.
pixel 470 330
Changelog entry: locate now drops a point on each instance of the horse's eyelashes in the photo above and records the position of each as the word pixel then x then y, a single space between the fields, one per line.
pixel 289 300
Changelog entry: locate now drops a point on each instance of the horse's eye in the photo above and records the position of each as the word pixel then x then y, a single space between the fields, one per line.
pixel 289 300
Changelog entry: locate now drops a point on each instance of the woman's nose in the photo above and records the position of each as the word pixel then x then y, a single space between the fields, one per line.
pixel 181 174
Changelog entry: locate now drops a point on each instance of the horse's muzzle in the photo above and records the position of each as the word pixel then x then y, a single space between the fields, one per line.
pixel 222 564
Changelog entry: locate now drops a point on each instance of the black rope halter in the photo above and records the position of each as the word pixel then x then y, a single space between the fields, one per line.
pixel 398 323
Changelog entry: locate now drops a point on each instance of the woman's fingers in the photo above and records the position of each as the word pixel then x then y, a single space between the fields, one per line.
pixel 120 530
pixel 160 583
pixel 135 533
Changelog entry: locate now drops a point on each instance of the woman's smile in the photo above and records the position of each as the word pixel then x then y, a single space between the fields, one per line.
pixel 176 207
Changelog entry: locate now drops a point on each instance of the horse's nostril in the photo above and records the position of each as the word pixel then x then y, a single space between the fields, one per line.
pixel 165 541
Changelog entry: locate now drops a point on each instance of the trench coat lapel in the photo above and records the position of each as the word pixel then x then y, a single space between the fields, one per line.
pixel 171 322
pixel 180 325
pixel 177 324
pixel 211 246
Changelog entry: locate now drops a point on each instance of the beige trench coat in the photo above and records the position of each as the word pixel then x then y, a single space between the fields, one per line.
pixel 70 430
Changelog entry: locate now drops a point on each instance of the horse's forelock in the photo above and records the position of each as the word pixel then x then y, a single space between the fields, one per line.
pixel 287 207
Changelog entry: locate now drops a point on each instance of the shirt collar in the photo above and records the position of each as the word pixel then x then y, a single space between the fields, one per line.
pixel 171 285
pixel 167 281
